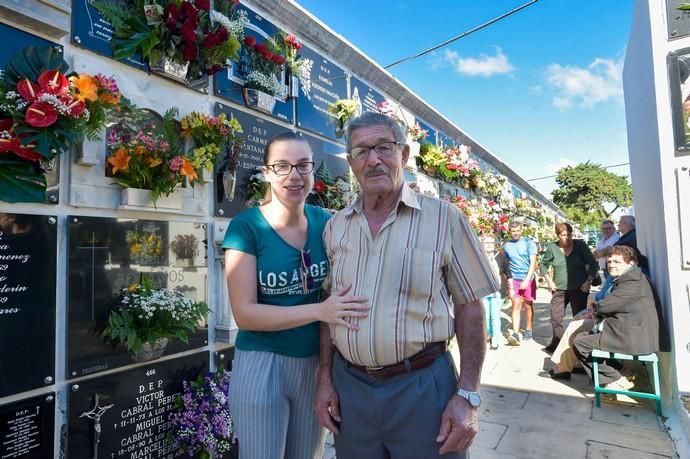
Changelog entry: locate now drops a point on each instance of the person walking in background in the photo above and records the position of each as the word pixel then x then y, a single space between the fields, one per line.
pixel 608 238
pixel 574 268
pixel 275 263
pixel 390 389
pixel 494 302
pixel 521 253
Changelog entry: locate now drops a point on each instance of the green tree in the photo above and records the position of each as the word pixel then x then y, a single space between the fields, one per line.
pixel 585 192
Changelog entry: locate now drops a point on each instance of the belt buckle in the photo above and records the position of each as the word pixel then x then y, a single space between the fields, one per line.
pixel 372 370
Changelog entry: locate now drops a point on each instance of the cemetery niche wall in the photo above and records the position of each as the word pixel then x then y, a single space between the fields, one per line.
pixel 26 428
pixel 107 255
pixel 28 245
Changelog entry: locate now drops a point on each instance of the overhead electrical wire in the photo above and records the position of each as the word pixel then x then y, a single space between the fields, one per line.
pixel 462 35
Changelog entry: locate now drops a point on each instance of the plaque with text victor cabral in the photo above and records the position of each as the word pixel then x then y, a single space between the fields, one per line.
pixel 107 255
pixel 26 428
pixel 28 246
pixel 126 415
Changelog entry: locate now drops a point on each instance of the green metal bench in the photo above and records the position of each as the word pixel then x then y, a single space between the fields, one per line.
pixel 598 355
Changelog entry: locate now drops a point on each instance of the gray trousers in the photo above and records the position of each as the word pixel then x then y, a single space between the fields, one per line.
pixel 271 401
pixel 395 418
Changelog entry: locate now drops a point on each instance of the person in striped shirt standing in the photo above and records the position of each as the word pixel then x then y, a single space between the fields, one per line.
pixel 390 388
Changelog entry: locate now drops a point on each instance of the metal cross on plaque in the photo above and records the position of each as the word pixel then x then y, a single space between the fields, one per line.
pixel 95 415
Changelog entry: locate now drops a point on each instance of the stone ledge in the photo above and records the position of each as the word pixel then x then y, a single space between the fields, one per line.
pixel 47 17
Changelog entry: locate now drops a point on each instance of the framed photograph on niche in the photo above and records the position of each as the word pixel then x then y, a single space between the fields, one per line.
pixel 679 79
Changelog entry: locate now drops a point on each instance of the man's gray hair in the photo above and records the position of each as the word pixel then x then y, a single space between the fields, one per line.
pixel 631 219
pixel 607 222
pixel 368 119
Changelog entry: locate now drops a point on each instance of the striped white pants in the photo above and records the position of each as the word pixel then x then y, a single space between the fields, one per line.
pixel 271 400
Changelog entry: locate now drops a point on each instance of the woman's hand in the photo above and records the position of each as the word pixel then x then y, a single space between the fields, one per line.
pixel 338 307
pixel 586 285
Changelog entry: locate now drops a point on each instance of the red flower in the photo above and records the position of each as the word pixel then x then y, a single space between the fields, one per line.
pixel 188 34
pixel 40 114
pixel 278 59
pixel 189 52
pixel 8 145
pixel 235 2
pixel 27 152
pixel 203 4
pixel 249 41
pixel 53 82
pixel 319 186
pixel 211 40
pixel 76 108
pixel 222 34
pixel 28 90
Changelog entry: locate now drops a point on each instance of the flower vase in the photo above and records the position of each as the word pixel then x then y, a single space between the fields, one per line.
pixel 138 198
pixel 339 128
pixel 258 100
pixel 229 184
pixel 175 71
pixel 183 262
pixel 150 351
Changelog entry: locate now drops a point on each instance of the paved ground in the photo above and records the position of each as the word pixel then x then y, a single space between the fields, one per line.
pixel 526 416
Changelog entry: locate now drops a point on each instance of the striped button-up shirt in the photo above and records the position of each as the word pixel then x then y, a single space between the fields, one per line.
pixel 424 258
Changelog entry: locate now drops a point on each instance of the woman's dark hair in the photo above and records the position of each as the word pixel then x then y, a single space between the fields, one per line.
pixel 563 226
pixel 283 136
pixel 627 253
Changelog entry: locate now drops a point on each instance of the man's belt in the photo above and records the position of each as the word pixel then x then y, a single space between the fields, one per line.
pixel 421 359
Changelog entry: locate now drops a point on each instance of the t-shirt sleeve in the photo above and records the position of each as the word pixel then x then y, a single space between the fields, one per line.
pixel 532 248
pixel 240 236
pixel 469 274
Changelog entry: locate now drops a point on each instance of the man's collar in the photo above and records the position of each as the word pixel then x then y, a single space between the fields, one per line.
pixel 407 197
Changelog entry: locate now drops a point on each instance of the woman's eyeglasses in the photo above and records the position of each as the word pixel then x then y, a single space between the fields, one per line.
pixel 307 278
pixel 303 168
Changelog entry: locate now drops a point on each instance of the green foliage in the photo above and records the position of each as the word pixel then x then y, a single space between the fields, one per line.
pixel 147 313
pixel 31 62
pixel 20 183
pixel 584 191
pixel 324 174
pixel 131 32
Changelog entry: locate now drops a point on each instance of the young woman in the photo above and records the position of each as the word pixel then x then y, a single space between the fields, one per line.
pixel 275 263
pixel 493 303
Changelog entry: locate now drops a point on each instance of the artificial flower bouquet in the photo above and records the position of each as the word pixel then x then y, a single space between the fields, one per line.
pixel 201 421
pixel 146 313
pixel 211 135
pixel 266 62
pixel 43 112
pixel 150 156
pixel 417 133
pixel 332 193
pixel 190 33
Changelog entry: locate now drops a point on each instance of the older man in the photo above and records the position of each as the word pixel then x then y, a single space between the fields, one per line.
pixel 626 225
pixel 390 389
pixel 608 238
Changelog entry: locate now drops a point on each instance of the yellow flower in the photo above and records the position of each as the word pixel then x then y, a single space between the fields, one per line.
pixel 140 149
pixel 153 162
pixel 119 160
pixel 133 287
pixel 87 87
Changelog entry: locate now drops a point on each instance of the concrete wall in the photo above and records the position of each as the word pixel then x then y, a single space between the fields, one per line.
pixel 654 168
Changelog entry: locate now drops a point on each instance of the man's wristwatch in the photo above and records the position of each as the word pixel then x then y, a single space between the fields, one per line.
pixel 472 398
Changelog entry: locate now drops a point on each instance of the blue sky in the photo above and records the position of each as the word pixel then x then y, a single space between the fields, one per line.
pixel 539 89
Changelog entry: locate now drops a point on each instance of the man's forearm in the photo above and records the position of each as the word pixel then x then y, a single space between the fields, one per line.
pixel 471 332
pixel 325 351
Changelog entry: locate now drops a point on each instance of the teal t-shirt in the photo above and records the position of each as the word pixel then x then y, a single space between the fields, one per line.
pixel 279 277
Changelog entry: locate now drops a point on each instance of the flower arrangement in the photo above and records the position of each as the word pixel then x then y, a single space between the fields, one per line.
pixel 256 189
pixel 484 217
pixel 150 157
pixel 188 32
pixel 390 110
pixel 201 422
pixel 210 135
pixel 266 63
pixel 343 110
pixel 44 111
pixel 145 314
pixel 492 185
pixel 143 246
pixel 298 66
pixel 452 164
pixel 185 246
pixel 331 193
pixel 417 133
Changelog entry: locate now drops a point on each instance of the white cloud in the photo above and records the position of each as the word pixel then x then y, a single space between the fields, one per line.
pixel 484 65
pixel 536 89
pixel 601 81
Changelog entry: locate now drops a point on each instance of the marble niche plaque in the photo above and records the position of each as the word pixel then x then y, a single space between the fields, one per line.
pixel 28 247
pixel 26 428
pixel 109 254
pixel 125 415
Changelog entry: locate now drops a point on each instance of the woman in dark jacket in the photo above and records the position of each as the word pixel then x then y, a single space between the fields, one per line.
pixel 627 316
pixel 574 268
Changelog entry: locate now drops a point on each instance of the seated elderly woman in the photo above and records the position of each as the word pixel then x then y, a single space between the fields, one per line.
pixel 627 319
